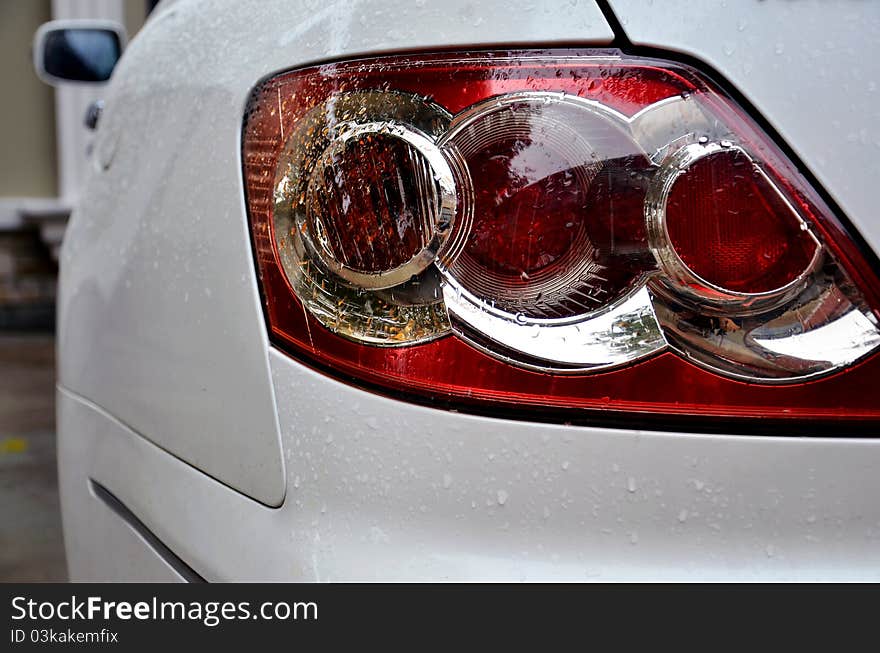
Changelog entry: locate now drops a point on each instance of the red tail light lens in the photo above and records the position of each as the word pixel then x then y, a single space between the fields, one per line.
pixel 557 229
pixel 731 227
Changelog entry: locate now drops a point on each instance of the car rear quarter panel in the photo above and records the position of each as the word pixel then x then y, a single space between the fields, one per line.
pixel 159 319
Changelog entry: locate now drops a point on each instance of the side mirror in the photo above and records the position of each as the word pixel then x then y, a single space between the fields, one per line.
pixel 84 51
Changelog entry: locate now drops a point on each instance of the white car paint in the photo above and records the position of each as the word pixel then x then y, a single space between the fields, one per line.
pixel 249 465
pixel 157 270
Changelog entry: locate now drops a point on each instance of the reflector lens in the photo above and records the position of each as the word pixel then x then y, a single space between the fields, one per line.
pixel 731 227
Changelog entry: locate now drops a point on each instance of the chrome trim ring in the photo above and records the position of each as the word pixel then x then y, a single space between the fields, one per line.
pixel 617 333
pixel 441 225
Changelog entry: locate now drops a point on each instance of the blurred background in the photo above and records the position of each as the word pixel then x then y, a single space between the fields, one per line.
pixel 42 165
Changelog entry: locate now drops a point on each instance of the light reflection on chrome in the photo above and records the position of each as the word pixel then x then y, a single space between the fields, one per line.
pixel 621 334
pixel 817 332
pixel 835 343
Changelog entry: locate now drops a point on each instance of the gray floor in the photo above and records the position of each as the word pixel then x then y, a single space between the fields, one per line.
pixel 31 545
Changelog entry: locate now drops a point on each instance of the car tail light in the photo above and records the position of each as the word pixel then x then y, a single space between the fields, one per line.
pixel 566 230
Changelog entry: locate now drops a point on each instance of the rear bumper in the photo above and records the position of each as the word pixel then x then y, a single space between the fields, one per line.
pixel 382 490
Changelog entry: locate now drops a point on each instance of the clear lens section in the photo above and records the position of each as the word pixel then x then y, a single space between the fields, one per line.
pixel 546 249
pixel 562 215
pixel 363 202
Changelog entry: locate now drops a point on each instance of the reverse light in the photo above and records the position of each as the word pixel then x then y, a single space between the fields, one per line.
pixel 556 229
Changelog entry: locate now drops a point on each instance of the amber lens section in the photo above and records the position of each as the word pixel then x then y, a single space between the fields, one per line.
pixel 732 228
pixel 371 203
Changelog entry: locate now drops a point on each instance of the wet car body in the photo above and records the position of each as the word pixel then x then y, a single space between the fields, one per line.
pixel 182 422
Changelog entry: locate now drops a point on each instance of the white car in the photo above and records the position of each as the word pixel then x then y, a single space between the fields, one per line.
pixel 499 290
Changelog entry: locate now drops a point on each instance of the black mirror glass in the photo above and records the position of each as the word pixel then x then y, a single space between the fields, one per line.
pixel 82 54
